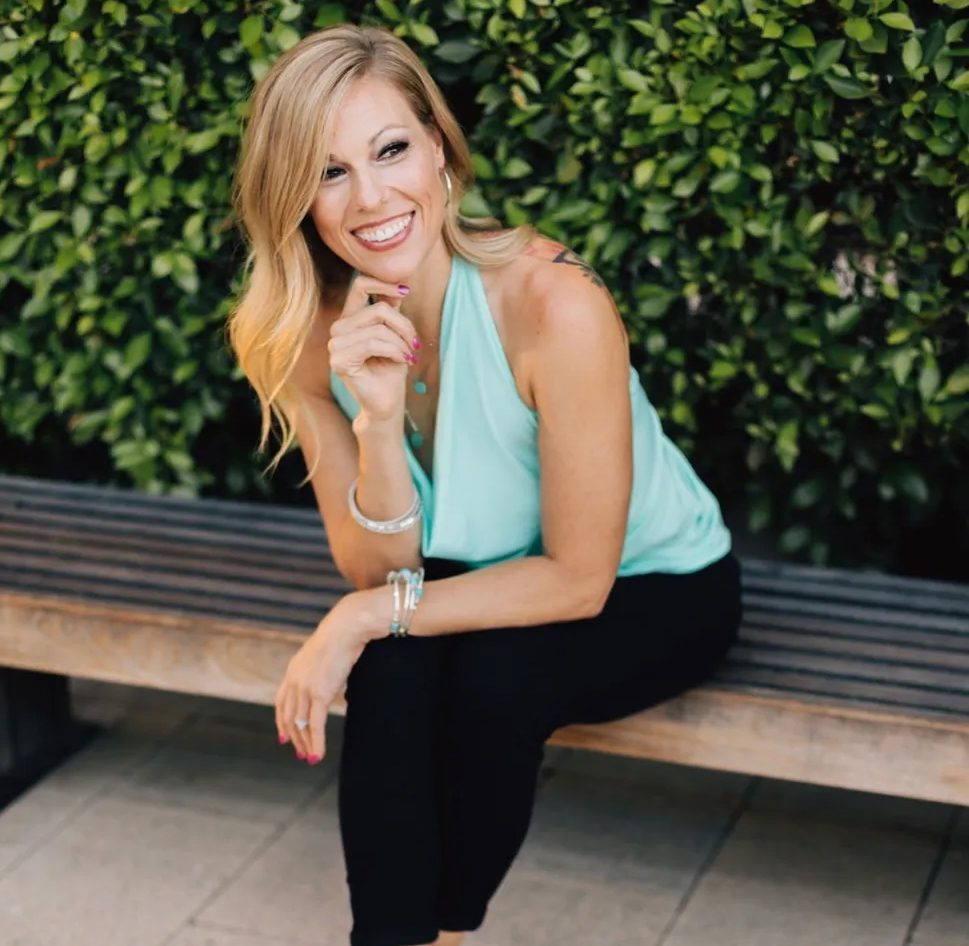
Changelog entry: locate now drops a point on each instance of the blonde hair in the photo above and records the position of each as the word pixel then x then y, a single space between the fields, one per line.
pixel 289 271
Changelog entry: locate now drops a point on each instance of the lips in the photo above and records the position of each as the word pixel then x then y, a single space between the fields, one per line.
pixel 403 232
pixel 386 222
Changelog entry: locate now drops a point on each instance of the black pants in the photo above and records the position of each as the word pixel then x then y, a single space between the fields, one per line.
pixel 444 737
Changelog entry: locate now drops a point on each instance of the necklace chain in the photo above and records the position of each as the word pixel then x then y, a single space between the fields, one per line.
pixel 415 436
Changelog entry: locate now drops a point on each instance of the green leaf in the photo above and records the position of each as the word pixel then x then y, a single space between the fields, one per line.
pixel 961 82
pixel 136 351
pixel 516 167
pixel 800 37
pixel 825 151
pixel 897 21
pixel 662 114
pixel 816 222
pixel 929 378
pixel 828 54
pixel 424 34
pixel 912 53
pixel 80 220
pixel 846 88
pixel 725 182
pixel 456 50
pixel 858 29
pixel 632 80
pixel 958 381
pixel 250 30
pixel 44 220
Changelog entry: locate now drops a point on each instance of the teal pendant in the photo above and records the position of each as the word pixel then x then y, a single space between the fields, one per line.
pixel 420 387
pixel 416 438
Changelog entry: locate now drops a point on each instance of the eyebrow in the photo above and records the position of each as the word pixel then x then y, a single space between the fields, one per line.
pixel 333 157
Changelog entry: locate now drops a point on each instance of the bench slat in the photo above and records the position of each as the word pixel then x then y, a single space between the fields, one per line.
pixel 259 610
pixel 859 692
pixel 885 654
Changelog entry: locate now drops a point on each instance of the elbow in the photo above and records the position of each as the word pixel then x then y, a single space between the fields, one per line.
pixel 363 578
pixel 373 575
pixel 591 602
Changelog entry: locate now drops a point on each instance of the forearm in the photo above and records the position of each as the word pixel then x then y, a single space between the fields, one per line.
pixel 517 593
pixel 385 490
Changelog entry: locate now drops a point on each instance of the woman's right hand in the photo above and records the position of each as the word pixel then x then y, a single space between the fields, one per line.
pixel 370 347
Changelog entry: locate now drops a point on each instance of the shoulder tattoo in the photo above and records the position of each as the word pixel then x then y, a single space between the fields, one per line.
pixel 557 253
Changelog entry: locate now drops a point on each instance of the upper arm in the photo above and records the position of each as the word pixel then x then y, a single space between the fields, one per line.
pixel 324 434
pixel 579 370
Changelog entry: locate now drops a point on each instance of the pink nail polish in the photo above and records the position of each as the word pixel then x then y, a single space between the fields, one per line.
pixel 283 739
pixel 402 289
pixel 300 755
pixel 313 759
pixel 411 359
pixel 415 342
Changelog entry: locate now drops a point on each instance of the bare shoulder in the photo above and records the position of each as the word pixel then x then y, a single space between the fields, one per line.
pixel 549 292
pixel 549 282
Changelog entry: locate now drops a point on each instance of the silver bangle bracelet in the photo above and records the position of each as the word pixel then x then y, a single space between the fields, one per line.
pixel 413 592
pixel 384 526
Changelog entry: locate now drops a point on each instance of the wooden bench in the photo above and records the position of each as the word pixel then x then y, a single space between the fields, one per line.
pixel 840 678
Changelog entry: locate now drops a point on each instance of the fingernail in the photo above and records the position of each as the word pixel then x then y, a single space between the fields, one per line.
pixel 283 739
pixel 402 289
pixel 415 342
pixel 313 759
pixel 300 755
pixel 412 359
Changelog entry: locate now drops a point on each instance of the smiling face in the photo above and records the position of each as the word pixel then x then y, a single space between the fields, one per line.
pixel 380 204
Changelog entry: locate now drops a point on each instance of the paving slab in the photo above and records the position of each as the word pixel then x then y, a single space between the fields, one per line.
pixel 535 910
pixel 122 872
pixel 945 917
pixel 296 889
pixel 202 935
pixel 614 846
pixel 636 832
pixel 812 866
pixel 31 820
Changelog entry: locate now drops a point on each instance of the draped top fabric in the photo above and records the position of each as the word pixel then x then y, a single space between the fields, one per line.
pixel 482 503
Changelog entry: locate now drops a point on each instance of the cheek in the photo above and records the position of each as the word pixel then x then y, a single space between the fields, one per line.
pixel 326 212
pixel 420 183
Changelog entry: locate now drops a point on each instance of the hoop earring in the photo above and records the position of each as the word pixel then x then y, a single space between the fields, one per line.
pixel 447 184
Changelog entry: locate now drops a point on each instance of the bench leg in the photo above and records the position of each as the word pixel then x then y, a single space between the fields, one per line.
pixel 37 730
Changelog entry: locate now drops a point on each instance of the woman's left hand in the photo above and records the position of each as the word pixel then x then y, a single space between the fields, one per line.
pixel 317 674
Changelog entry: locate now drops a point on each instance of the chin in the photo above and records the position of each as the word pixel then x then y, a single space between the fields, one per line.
pixel 394 267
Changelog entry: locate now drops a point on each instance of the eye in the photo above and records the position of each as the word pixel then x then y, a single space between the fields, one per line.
pixel 398 147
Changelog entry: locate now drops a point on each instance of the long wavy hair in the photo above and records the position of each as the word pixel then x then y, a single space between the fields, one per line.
pixel 289 272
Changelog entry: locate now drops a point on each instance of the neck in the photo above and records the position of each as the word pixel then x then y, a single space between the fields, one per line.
pixel 424 303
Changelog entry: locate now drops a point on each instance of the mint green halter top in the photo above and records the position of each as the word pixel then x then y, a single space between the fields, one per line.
pixel 482 504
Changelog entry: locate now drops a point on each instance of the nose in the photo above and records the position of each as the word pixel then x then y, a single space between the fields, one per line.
pixel 368 189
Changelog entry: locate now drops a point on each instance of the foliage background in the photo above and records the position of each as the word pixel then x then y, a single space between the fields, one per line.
pixel 776 193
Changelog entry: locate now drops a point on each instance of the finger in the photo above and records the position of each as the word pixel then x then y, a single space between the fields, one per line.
pixel 380 340
pixel 303 706
pixel 383 312
pixel 281 733
pixel 317 728
pixel 289 715
pixel 365 286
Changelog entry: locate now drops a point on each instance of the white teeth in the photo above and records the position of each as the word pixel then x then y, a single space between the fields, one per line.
pixel 381 234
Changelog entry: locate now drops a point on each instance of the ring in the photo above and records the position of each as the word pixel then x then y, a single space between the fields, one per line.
pixel 301 724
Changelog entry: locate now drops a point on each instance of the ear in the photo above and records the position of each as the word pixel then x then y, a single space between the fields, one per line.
pixel 437 142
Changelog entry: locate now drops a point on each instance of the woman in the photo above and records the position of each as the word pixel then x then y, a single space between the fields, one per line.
pixel 465 403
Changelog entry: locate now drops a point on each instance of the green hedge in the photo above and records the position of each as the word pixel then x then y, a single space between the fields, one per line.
pixel 777 194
